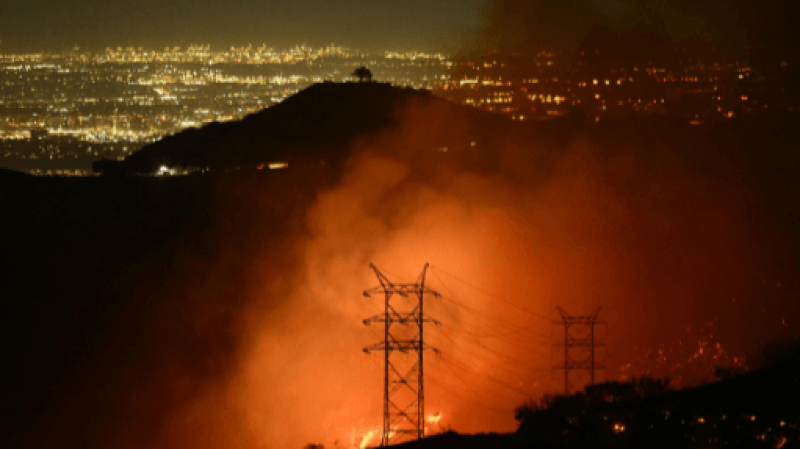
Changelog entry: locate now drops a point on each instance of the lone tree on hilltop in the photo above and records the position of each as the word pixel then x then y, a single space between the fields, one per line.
pixel 363 72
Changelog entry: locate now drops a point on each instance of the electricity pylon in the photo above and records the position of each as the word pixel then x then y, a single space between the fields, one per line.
pixel 579 333
pixel 402 419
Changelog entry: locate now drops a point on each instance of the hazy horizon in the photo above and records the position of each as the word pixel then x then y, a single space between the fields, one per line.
pixel 428 26
pixel 447 26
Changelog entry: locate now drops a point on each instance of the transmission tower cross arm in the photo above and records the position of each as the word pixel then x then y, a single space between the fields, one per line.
pixel 401 346
pixel 404 290
pixel 400 318
pixel 583 343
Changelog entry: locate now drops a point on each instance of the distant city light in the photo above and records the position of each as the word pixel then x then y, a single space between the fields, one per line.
pixel 166 171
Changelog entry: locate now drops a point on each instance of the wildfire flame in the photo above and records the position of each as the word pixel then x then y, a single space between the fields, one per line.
pixel 434 417
pixel 367 438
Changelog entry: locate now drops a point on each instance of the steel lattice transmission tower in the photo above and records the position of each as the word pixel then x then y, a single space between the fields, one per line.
pixel 402 382
pixel 579 337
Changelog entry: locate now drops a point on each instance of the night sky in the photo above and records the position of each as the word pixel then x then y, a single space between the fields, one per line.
pixel 377 25
pixel 370 25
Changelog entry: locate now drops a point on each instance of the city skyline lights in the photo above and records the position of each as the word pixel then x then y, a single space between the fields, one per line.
pixel 81 105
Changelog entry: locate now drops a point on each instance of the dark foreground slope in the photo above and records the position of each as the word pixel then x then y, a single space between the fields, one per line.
pixel 75 254
pixel 121 296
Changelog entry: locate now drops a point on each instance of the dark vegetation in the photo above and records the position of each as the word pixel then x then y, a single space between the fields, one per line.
pixel 361 73
pixel 615 391
pixel 750 410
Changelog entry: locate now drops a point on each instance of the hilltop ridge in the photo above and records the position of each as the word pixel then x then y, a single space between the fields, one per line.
pixel 319 122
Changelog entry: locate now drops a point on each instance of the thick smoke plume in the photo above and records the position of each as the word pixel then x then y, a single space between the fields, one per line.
pixel 246 331
pixel 560 25
pixel 664 238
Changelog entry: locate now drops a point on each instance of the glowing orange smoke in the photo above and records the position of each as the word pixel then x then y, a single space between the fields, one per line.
pixel 518 237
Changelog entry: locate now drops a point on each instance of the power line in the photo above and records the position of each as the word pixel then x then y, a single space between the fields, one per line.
pixel 495 352
pixel 459 371
pixel 489 378
pixel 470 399
pixel 523 345
pixel 481 315
pixel 522 340
pixel 489 330
pixel 498 298
pixel 466 375
pixel 525 368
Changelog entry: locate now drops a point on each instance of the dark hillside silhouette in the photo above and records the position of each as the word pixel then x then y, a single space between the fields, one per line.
pixel 318 123
pixel 735 410
pixel 86 276
pixel 6 174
